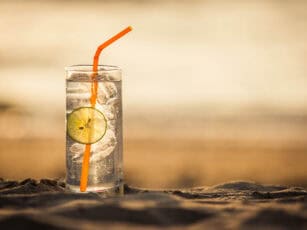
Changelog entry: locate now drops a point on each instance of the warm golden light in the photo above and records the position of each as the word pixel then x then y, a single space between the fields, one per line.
pixel 212 90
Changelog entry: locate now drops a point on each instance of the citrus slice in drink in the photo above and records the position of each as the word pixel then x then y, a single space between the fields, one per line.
pixel 86 125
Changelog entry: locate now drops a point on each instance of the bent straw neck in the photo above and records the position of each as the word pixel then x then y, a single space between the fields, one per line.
pixel 97 55
pixel 106 44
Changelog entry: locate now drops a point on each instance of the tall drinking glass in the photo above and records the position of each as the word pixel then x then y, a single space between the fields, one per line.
pixel 99 126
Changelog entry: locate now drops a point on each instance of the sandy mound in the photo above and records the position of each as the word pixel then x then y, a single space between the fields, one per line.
pixel 45 204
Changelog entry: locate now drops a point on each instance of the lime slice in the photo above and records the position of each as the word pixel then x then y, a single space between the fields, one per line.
pixel 86 125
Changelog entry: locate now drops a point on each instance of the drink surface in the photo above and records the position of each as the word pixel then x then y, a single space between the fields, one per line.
pixel 105 168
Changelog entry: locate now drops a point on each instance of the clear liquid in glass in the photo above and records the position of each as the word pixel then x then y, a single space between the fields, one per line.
pixel 105 167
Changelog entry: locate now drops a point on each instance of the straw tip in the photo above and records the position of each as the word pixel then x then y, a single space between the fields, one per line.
pixel 130 27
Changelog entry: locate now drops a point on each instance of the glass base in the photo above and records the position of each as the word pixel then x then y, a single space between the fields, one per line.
pixel 105 191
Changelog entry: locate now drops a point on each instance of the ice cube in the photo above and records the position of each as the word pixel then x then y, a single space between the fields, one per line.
pixel 77 87
pixel 113 101
pixel 77 150
pixel 102 97
pixel 99 155
pixel 114 106
pixel 107 110
pixel 106 92
pixel 111 89
pixel 111 124
pixel 104 147
pixel 75 100
pixel 103 169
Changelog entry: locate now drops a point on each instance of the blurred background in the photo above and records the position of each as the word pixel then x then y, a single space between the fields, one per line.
pixel 213 90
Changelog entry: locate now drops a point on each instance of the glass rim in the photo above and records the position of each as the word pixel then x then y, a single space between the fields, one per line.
pixel 86 68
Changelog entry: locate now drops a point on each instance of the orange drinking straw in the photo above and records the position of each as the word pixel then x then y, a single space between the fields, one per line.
pixel 94 88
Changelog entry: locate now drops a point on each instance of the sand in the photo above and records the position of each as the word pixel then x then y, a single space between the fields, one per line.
pixel 45 204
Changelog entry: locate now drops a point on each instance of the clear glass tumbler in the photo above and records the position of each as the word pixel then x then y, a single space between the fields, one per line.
pixel 99 126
